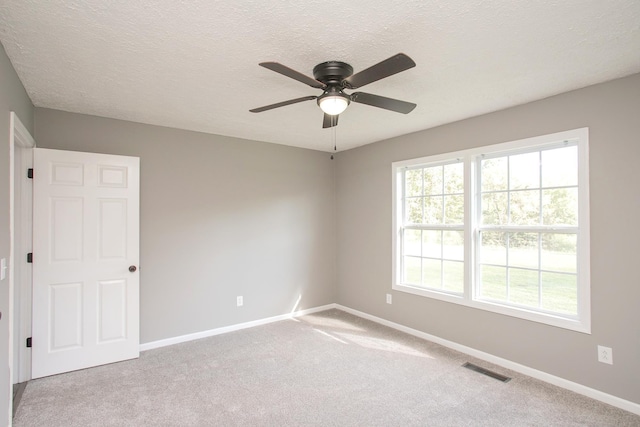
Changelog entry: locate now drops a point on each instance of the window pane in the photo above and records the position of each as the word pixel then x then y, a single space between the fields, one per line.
pixel 412 240
pixel 432 273
pixel 494 282
pixel 523 287
pixel 454 178
pixel 494 174
pixel 414 210
pixel 523 250
pixel 494 248
pixel 433 210
pixel 413 182
pixel 560 206
pixel 524 171
pixel 560 167
pixel 560 292
pixel 432 243
pixel 433 180
pixel 454 209
pixel 559 252
pixel 453 247
pixel 525 207
pixel 453 273
pixel 494 209
pixel 411 271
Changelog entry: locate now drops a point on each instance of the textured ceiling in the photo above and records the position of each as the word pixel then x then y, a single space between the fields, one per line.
pixel 194 64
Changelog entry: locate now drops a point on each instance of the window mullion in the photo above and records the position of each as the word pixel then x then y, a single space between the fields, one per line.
pixel 400 259
pixel 540 216
pixel 403 221
pixel 508 190
pixel 423 200
pixel 540 221
pixel 471 220
pixel 442 194
pixel 507 268
pixel 530 229
pixel 540 269
pixel 442 257
pixel 453 227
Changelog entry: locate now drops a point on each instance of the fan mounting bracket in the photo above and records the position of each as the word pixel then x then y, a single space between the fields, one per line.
pixel 332 73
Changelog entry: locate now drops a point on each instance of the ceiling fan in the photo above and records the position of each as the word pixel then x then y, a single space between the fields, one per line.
pixel 335 76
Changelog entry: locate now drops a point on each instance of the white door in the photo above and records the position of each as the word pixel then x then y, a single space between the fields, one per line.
pixel 85 258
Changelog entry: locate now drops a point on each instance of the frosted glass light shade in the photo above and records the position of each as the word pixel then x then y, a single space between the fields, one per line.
pixel 333 105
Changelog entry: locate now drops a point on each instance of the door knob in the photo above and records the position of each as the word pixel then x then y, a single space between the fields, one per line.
pixel 133 268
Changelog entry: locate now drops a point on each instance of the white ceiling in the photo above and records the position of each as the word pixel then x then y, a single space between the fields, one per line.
pixel 194 64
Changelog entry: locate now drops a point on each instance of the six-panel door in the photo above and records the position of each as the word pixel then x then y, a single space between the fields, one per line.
pixel 86 236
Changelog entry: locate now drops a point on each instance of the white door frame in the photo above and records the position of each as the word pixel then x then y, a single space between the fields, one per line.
pixel 21 145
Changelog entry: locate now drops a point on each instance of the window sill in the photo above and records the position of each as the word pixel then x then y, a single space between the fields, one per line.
pixel 582 326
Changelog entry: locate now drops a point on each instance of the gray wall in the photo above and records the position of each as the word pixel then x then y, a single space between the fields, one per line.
pixel 612 113
pixel 220 217
pixel 12 98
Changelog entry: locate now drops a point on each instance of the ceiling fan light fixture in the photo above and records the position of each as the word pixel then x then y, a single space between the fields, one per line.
pixel 334 76
pixel 333 104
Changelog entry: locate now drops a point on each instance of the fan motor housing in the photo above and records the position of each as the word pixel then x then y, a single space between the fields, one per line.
pixel 332 72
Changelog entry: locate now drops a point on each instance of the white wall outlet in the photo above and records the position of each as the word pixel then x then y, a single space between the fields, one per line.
pixel 3 268
pixel 389 300
pixel 239 301
pixel 605 355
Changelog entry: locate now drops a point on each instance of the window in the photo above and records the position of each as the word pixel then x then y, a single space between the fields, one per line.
pixel 503 228
pixel 433 244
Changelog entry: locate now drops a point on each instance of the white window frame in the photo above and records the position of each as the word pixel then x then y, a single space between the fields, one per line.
pixel 581 322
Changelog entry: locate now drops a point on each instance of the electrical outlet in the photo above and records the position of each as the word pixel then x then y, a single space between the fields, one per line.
pixel 389 301
pixel 605 355
pixel 239 301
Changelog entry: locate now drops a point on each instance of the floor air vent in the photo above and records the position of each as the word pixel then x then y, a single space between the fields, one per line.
pixel 486 372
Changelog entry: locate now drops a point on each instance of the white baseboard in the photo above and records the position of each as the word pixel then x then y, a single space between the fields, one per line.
pixel 508 364
pixel 534 373
pixel 223 330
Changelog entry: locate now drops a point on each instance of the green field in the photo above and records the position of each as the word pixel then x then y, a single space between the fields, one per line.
pixel 553 289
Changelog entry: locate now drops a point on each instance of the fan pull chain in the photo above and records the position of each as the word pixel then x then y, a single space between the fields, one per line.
pixel 335 145
pixel 333 136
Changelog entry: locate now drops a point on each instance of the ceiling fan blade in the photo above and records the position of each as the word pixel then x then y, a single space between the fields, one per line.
pixel 329 121
pixel 282 104
pixel 386 68
pixel 286 71
pixel 383 102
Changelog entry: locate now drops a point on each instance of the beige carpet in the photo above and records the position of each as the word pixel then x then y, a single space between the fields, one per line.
pixel 327 369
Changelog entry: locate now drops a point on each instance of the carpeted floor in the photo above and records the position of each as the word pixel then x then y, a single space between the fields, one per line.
pixel 326 369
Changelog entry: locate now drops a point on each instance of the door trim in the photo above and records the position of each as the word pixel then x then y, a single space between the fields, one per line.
pixel 21 144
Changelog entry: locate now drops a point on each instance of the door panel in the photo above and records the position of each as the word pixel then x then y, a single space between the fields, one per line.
pixel 65 316
pixel 66 229
pixel 112 310
pixel 86 235
pixel 112 228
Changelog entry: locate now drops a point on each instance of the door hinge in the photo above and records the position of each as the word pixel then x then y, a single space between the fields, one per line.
pixel 30 257
pixel 29 342
pixel 30 173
